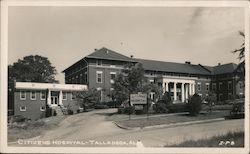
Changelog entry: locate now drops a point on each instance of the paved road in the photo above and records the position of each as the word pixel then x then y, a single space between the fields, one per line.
pixel 93 126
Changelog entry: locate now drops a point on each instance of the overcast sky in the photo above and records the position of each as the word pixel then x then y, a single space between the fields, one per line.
pixel 175 34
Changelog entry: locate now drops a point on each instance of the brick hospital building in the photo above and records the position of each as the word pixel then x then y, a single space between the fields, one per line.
pixel 99 69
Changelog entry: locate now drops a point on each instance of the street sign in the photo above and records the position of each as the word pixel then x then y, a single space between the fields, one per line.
pixel 138 99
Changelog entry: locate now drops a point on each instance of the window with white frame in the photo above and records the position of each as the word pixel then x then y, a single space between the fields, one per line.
pixel 22 95
pixel 229 85
pixel 112 77
pixel 207 86
pixel 42 108
pixel 42 95
pixel 220 86
pixel 64 95
pixel 99 62
pixel 152 81
pixel 199 86
pixel 22 108
pixel 99 76
pixel 33 95
pixel 214 86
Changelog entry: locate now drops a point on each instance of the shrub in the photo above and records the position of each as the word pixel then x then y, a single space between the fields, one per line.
pixel 129 110
pixel 194 105
pixel 17 118
pixel 179 107
pixel 70 112
pixel 161 107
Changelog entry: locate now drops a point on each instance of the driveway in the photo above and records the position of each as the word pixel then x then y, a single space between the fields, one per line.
pixel 94 126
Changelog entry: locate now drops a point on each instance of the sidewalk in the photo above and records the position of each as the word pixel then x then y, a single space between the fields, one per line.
pixel 168 120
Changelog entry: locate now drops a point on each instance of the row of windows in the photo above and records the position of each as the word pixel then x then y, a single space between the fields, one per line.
pixel 24 108
pixel 42 95
pixel 32 95
pixel 99 77
pixel 99 63
pixel 214 85
pixel 220 96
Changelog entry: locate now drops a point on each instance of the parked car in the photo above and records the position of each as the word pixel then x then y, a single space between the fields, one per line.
pixel 238 110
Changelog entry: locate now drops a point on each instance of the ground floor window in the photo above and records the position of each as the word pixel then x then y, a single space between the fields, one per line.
pixel 22 108
pixel 220 97
pixel 42 108
pixel 229 95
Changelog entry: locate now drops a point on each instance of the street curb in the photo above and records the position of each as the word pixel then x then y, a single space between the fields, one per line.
pixel 169 125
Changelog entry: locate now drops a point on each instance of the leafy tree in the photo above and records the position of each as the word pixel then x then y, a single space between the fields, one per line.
pixel 121 91
pixel 33 68
pixel 88 97
pixel 135 78
pixel 149 87
pixel 240 70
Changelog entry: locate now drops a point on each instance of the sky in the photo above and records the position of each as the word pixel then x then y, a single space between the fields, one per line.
pixel 202 35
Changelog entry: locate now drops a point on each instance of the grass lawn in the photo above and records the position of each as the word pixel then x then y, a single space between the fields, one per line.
pixel 232 139
pixel 170 119
pixel 33 129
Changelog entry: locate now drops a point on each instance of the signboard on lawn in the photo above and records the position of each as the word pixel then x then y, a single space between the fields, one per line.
pixel 138 99
pixel 138 107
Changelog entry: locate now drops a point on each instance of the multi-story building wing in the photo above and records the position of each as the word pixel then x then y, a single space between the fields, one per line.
pixel 99 69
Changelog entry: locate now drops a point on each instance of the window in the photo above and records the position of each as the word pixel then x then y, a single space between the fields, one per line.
pixel 220 85
pixel 229 95
pixel 214 86
pixel 229 85
pixel 22 95
pixel 220 97
pixel 64 95
pixel 99 62
pixel 43 95
pixel 33 95
pixel 22 108
pixel 73 96
pixel 111 89
pixel 42 108
pixel 207 86
pixel 112 77
pixel 152 81
pixel 241 85
pixel 99 76
pixel 199 86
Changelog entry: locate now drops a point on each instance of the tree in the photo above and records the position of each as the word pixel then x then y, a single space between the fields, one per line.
pixel 33 68
pixel 240 70
pixel 121 91
pixel 194 105
pixel 89 97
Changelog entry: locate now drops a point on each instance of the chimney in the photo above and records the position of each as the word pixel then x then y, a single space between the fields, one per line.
pixel 96 49
pixel 131 56
pixel 187 62
pixel 219 64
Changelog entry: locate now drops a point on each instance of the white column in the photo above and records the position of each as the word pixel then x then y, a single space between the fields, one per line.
pixel 175 96
pixel 190 89
pixel 193 88
pixel 60 98
pixel 186 92
pixel 49 98
pixel 182 92
pixel 167 86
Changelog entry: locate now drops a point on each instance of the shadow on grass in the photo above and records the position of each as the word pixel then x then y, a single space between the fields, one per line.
pixel 107 114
